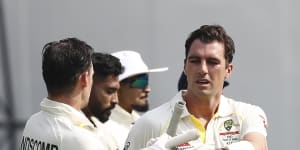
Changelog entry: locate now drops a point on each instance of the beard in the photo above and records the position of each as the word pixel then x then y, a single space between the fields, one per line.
pixel 103 116
pixel 141 108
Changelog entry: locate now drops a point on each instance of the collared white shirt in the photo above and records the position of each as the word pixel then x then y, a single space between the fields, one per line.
pixel 59 126
pixel 120 123
pixel 107 140
pixel 232 121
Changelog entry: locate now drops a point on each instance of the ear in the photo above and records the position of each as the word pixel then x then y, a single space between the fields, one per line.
pixel 84 79
pixel 228 71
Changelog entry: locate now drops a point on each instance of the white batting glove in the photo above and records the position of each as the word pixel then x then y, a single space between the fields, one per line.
pixel 158 143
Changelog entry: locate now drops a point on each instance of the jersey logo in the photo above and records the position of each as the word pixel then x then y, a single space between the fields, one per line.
pixel 228 124
pixel 264 121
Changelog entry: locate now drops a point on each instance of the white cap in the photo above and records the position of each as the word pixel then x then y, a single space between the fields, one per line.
pixel 133 64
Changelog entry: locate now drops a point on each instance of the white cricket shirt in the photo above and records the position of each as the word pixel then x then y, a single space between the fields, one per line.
pixel 232 121
pixel 59 126
pixel 120 122
pixel 107 140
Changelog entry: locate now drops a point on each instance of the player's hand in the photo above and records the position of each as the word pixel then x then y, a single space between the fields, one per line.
pixel 158 143
pixel 204 147
pixel 165 142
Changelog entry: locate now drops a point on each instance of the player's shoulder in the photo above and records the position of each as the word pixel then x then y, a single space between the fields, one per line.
pixel 36 119
pixel 243 106
pixel 158 113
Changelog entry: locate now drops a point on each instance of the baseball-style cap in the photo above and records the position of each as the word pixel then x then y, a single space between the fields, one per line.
pixel 133 64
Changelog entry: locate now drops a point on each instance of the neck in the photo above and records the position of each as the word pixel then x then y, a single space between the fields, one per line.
pixel 69 99
pixel 202 106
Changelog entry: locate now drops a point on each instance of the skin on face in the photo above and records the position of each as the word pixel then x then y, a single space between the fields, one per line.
pixel 130 97
pixel 104 97
pixel 206 69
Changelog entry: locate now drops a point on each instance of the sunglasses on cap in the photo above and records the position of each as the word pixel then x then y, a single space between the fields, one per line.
pixel 140 82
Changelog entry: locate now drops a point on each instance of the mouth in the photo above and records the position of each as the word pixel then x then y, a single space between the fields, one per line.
pixel 144 97
pixel 202 82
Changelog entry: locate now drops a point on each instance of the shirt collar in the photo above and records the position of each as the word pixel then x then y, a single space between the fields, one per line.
pixel 76 117
pixel 121 112
pixel 96 121
pixel 225 108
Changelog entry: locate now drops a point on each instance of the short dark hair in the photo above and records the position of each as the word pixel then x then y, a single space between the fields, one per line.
pixel 210 33
pixel 105 65
pixel 62 63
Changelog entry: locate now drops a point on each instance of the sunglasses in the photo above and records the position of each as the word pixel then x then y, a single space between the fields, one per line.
pixel 140 82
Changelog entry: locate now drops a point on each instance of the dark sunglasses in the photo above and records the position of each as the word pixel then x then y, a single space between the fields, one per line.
pixel 140 82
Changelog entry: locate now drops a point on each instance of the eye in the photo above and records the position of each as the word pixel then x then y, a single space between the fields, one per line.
pixel 194 61
pixel 111 91
pixel 213 61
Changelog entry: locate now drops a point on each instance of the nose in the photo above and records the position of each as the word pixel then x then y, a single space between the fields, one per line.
pixel 115 99
pixel 147 89
pixel 203 68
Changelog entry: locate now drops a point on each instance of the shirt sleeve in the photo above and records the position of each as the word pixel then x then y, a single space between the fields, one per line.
pixel 255 121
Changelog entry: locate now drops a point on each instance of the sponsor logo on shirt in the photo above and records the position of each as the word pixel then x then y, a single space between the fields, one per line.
pixel 184 146
pixel 230 132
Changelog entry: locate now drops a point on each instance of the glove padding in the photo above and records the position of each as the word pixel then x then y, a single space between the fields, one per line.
pixel 166 142
pixel 158 143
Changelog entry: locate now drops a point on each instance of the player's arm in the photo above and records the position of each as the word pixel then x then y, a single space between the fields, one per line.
pixel 258 140
pixel 255 128
pixel 251 141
